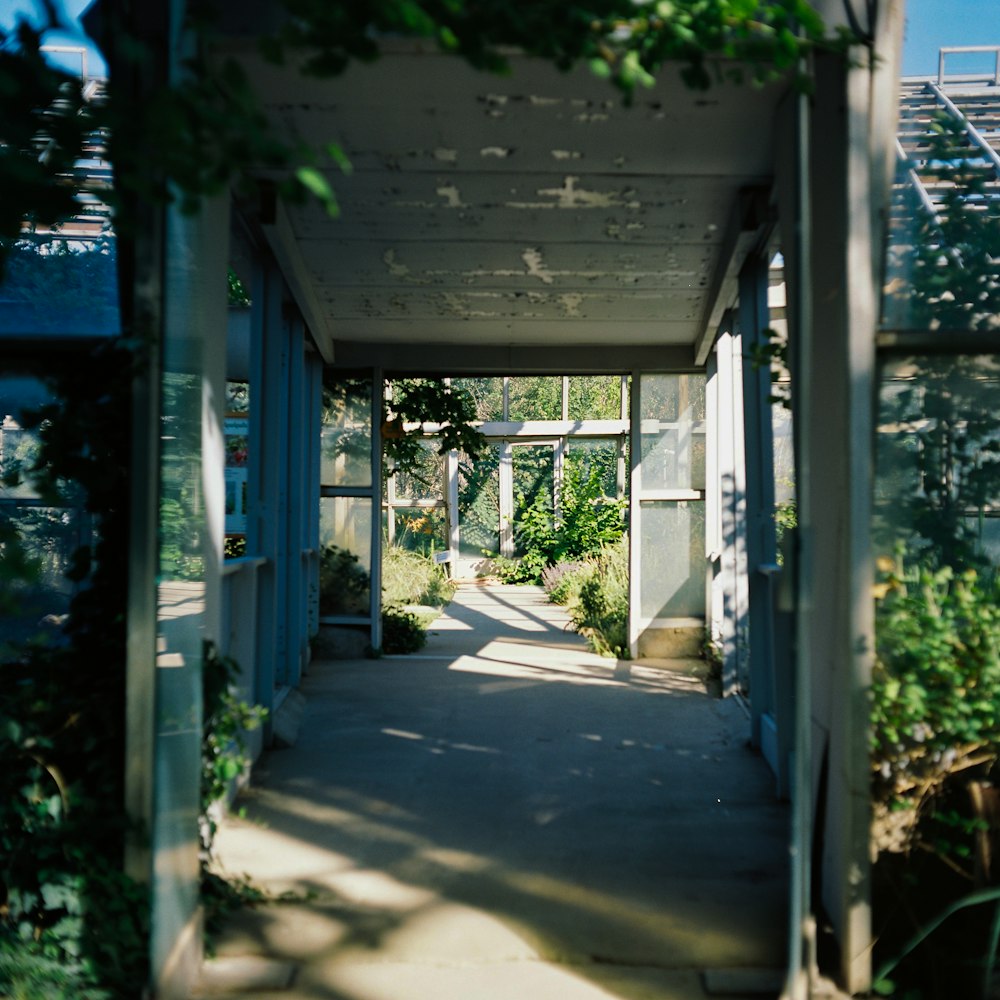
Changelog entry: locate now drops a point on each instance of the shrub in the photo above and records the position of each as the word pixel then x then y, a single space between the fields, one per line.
pixel 587 522
pixel 343 582
pixel 601 610
pixel 409 577
pixel 935 688
pixel 402 631
pixel 562 581
pixel 595 592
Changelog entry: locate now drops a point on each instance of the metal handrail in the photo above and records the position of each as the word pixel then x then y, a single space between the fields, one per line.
pixel 968 48
pixel 918 184
pixel 230 567
pixel 970 130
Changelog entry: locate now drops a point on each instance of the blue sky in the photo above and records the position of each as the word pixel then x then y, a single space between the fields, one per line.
pixel 929 25
pixel 9 9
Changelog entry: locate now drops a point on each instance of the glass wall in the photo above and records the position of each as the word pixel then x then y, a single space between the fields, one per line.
pixel 935 741
pixel 37 538
pixel 415 509
pixel 348 498
pixel 479 504
pixel 345 538
pixel 346 446
pixel 669 488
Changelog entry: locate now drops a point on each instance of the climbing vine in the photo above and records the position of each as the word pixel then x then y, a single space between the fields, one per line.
pixel 202 129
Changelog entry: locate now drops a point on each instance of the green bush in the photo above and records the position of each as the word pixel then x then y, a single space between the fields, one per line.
pixel 343 582
pixel 595 592
pixel 935 691
pixel 562 581
pixel 28 973
pixel 587 522
pixel 402 631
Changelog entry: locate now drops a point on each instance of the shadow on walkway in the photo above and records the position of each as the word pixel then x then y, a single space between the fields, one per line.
pixel 506 816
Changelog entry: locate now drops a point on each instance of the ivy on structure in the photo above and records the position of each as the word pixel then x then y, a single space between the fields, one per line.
pixel 205 132
pixel 225 761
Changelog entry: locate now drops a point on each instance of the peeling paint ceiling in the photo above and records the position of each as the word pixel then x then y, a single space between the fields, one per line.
pixel 532 209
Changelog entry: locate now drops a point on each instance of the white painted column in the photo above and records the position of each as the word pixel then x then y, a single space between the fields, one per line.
pixel 506 494
pixel 635 522
pixel 732 577
pixel 451 496
pixel 375 574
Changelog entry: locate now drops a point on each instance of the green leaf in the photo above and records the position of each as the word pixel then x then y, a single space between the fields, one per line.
pixel 600 67
pixel 315 183
pixel 337 154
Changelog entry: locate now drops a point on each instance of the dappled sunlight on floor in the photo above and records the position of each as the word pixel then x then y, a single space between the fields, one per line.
pixel 515 822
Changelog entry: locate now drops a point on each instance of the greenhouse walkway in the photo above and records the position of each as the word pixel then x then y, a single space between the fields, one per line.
pixel 506 815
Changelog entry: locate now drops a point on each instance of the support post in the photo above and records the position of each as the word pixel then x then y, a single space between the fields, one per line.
pixel 506 494
pixel 772 728
pixel 263 474
pixel 375 575
pixel 635 521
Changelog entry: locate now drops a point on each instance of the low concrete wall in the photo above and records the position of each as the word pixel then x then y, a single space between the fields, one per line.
pixel 678 640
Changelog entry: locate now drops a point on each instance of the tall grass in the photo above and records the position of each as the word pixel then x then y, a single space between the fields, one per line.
pixel 595 593
pixel 412 578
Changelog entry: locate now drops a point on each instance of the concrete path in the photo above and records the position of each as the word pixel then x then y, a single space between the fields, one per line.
pixel 506 816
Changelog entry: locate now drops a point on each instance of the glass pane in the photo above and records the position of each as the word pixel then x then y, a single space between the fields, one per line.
pixel 536 397
pixel 426 480
pixel 421 529
pixel 487 394
pixel 18 450
pixel 34 601
pixel 61 287
pixel 938 482
pixel 345 539
pixel 237 437
pixel 673 560
pixel 18 445
pixel 784 453
pixel 181 498
pixel 534 477
pixel 479 503
pixel 345 453
pixel 597 457
pixel 943 269
pixel 237 398
pixel 595 397
pixel 672 415
pixel 37 540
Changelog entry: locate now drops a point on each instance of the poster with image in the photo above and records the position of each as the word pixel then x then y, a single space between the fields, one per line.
pixel 237 431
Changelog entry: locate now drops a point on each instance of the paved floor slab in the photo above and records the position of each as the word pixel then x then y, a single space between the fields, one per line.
pixel 507 816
